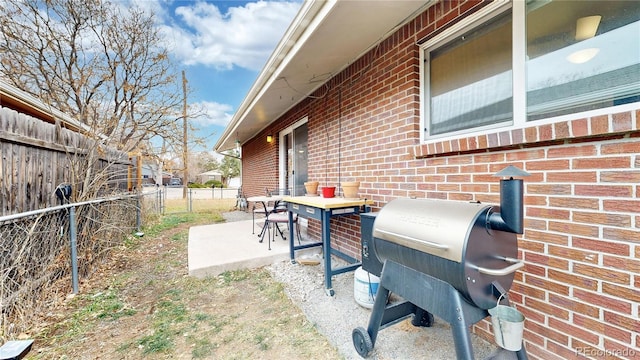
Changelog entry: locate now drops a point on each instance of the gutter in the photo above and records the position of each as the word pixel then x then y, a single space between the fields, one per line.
pixel 300 27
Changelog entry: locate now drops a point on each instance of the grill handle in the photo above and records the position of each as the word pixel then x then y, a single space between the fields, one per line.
pixel 516 264
pixel 409 241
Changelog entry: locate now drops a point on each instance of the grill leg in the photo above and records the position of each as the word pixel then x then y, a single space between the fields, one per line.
pixel 364 340
pixel 418 290
pixel 499 291
pixel 522 353
pixel 422 318
pixel 377 313
pixel 462 338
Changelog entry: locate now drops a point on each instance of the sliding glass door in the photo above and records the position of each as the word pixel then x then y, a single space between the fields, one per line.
pixel 293 159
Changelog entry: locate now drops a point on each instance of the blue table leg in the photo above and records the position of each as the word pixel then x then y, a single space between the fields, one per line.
pixel 291 245
pixel 326 249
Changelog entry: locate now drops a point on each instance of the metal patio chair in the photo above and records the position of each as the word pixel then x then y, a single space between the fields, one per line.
pixel 276 216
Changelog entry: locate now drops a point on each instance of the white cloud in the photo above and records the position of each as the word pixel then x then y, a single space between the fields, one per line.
pixel 213 113
pixel 155 7
pixel 244 36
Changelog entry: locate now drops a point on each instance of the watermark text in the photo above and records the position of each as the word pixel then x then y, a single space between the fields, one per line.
pixel 594 352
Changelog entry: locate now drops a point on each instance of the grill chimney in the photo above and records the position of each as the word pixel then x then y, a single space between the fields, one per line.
pixel 511 214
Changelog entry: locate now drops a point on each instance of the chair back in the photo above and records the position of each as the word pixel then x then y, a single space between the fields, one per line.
pixel 280 205
pixel 280 192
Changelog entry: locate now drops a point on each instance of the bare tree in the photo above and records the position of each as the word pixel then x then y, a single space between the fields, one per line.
pixel 102 64
pixel 205 161
pixel 93 60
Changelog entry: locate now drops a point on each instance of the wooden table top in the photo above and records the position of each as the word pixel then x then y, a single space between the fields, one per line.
pixel 264 198
pixel 326 203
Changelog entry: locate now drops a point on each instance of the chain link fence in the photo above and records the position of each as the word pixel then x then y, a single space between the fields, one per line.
pixel 44 252
pixel 197 199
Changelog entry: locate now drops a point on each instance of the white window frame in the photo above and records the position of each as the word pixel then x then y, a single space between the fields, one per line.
pixel 475 20
pixel 519 50
pixel 282 166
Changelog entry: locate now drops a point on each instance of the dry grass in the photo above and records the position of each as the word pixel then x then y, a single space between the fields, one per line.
pixel 198 205
pixel 143 304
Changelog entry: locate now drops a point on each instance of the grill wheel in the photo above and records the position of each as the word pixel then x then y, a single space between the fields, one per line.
pixel 362 341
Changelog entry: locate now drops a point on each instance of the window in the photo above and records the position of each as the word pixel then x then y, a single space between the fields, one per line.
pixel 505 66
pixel 293 157
pixel 582 55
pixel 470 79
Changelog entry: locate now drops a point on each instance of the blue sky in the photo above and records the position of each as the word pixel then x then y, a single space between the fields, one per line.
pixel 221 46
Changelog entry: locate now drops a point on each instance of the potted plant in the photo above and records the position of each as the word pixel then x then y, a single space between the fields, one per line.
pixel 350 189
pixel 328 191
pixel 312 188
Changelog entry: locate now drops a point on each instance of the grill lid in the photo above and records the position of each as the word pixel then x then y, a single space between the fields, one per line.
pixel 436 227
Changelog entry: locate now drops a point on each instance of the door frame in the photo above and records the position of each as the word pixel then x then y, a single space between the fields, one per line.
pixel 282 151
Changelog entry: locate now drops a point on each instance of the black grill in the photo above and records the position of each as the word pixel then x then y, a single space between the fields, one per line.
pixel 445 258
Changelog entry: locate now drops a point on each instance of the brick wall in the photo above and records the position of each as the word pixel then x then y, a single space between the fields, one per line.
pixel 581 244
pixel 260 158
pixel 259 165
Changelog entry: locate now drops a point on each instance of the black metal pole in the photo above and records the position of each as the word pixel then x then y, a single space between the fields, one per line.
pixel 74 251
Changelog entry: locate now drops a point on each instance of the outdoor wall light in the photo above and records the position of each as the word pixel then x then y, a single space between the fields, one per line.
pixel 269 138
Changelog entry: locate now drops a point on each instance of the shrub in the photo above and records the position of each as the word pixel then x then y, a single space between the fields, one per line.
pixel 213 183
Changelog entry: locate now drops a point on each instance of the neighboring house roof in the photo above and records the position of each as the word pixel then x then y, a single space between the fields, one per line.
pixel 23 102
pixel 211 173
pixel 323 39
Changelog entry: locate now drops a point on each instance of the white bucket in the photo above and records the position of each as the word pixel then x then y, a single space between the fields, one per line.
pixel 508 326
pixel 365 287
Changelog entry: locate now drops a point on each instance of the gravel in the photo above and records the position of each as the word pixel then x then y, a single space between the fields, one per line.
pixel 336 317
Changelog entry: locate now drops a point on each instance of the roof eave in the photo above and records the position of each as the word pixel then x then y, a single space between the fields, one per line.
pixel 310 53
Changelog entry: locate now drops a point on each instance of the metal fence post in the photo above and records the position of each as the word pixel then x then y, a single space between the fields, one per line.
pixel 164 198
pixel 190 198
pixel 74 250
pixel 138 213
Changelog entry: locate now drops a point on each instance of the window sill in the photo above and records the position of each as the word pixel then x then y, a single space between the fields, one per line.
pixel 610 126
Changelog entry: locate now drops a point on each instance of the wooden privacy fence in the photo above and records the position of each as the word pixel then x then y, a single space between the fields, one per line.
pixel 36 157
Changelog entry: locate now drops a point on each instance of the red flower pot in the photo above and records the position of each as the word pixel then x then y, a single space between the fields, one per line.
pixel 328 191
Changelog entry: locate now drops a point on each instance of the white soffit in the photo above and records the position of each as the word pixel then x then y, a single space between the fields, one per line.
pixel 323 39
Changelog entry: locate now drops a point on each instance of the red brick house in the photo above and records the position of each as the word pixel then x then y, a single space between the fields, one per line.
pixel 429 99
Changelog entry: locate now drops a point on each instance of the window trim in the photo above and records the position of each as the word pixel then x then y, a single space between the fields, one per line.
pixel 519 11
pixel 282 150
pixel 518 67
pixel 477 19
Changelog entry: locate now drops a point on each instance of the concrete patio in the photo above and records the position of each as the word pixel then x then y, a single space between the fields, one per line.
pixel 216 248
